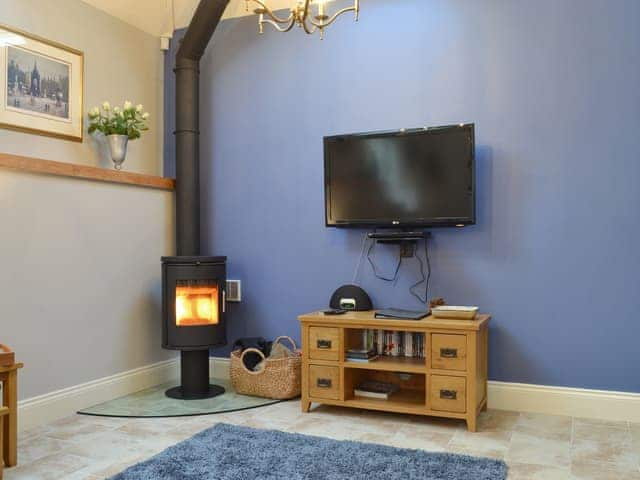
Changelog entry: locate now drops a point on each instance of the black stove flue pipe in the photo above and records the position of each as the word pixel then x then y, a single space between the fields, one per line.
pixel 187 70
pixel 194 364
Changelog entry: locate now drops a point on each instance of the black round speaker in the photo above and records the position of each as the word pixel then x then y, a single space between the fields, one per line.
pixel 351 297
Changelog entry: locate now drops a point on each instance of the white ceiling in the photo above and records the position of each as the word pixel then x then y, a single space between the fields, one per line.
pixel 155 17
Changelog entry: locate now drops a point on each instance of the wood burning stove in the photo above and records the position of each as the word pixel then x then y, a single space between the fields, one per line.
pixel 193 311
pixel 193 286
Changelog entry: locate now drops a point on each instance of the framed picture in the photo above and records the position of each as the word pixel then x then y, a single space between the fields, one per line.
pixel 41 86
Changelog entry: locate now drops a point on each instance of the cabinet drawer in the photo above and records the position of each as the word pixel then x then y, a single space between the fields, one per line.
pixel 324 343
pixel 448 352
pixel 448 394
pixel 324 382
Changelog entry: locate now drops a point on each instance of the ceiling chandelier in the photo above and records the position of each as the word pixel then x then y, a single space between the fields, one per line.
pixel 301 14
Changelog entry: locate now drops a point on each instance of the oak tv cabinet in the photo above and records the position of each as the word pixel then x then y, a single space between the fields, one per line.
pixel 450 381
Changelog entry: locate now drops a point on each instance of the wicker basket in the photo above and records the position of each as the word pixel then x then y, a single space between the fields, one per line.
pixel 278 379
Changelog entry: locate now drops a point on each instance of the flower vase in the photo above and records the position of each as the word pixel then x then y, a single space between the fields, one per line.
pixel 118 149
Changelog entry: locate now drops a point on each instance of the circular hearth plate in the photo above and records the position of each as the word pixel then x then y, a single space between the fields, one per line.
pixel 153 402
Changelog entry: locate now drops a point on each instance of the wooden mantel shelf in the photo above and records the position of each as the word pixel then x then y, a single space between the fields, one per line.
pixel 62 169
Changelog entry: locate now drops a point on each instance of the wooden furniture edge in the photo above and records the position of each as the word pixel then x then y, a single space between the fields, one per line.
pixel 4 411
pixel 9 378
pixel 358 319
pixel 86 172
pixel 9 368
pixel 474 375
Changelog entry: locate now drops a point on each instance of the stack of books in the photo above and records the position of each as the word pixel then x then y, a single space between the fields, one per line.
pixel 397 344
pixel 374 389
pixel 361 355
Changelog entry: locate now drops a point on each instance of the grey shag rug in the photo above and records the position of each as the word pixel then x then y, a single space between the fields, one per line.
pixel 227 452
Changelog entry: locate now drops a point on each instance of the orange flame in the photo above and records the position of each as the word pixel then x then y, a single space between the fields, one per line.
pixel 196 306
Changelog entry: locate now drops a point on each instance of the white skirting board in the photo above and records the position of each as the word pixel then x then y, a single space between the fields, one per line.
pixel 575 402
pixel 49 407
pixel 520 397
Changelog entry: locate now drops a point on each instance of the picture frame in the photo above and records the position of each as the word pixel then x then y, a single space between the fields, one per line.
pixel 41 86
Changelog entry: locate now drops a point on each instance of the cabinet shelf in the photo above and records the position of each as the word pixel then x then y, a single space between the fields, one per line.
pixel 407 401
pixel 392 364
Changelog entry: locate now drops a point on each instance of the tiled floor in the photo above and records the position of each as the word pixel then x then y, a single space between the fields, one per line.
pixel 535 446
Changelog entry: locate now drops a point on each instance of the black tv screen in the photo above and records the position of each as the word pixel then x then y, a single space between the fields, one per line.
pixel 409 178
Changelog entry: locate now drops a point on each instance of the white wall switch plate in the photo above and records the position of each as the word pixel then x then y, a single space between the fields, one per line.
pixel 234 291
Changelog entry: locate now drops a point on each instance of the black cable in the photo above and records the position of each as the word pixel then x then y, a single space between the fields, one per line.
pixel 426 254
pixel 425 278
pixel 375 270
pixel 355 273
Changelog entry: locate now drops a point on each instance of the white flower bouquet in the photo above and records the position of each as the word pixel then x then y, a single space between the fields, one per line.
pixel 128 120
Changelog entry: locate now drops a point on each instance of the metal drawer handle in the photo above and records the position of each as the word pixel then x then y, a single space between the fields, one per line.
pixel 324 344
pixel 324 383
pixel 448 394
pixel 449 352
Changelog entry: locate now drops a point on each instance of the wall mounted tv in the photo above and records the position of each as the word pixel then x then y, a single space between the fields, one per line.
pixel 408 178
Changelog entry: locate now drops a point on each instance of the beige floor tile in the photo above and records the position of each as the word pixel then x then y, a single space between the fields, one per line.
pixel 78 428
pixel 602 423
pixel 487 452
pixel 268 423
pixel 595 471
pixel 535 446
pixel 418 438
pixel 489 444
pixel 25 435
pixel 190 428
pixel 152 426
pixel 337 429
pixel 81 475
pixel 332 411
pixel 410 436
pixel 634 429
pixel 382 418
pixel 616 454
pixel 493 420
pixel 438 424
pixel 107 467
pixel 281 412
pixel 110 422
pixel 38 447
pixel 553 427
pixel 524 471
pixel 375 424
pixel 537 450
pixel 601 433
pixel 111 444
pixel 381 429
pixel 232 418
pixel 52 467
pixel 116 468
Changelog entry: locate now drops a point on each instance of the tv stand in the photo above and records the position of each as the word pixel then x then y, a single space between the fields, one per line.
pixel 448 380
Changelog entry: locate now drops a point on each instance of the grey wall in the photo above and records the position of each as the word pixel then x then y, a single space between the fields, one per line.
pixel 79 261
pixel 121 63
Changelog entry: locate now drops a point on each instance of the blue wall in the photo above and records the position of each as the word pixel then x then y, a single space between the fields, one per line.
pixel 554 89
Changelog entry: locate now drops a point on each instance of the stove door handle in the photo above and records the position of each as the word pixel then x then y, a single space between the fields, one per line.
pixel 224 301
